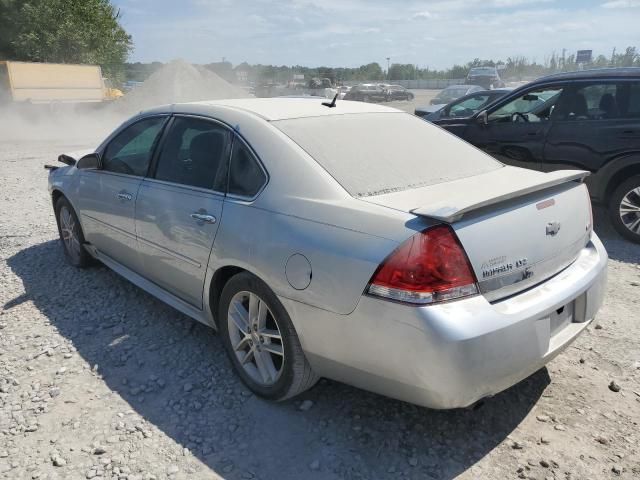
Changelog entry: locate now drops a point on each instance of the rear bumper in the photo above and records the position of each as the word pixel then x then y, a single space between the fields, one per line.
pixel 453 354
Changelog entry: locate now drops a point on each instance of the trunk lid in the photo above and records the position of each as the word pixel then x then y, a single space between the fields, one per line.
pixel 518 227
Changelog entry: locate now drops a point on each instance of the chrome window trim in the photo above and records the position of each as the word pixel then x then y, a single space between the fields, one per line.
pixel 167 183
pixel 115 174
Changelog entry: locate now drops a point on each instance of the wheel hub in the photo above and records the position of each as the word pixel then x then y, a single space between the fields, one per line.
pixel 255 338
pixel 69 232
pixel 629 210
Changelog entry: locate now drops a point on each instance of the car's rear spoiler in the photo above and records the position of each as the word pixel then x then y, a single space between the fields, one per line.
pixel 451 202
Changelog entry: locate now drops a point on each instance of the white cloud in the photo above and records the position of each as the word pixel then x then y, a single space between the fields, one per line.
pixel 356 32
pixel 516 3
pixel 422 15
pixel 622 4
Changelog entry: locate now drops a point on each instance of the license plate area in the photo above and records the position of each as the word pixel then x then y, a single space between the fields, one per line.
pixel 561 317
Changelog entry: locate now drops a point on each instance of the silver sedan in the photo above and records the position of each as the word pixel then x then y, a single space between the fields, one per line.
pixel 349 241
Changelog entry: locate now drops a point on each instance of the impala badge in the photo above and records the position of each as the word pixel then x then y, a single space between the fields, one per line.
pixel 553 228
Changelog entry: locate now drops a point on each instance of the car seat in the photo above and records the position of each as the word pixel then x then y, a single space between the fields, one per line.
pixel 609 106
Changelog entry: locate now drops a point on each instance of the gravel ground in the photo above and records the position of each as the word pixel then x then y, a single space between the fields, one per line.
pixel 100 380
pixel 421 99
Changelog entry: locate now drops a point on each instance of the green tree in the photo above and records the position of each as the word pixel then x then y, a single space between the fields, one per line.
pixel 9 10
pixel 65 31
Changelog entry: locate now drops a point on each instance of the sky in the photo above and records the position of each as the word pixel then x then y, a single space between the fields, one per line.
pixel 349 33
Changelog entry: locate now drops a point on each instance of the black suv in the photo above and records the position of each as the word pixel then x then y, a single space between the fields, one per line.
pixel 588 120
pixel 486 77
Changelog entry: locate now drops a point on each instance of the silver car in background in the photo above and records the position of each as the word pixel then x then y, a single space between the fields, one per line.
pixel 350 241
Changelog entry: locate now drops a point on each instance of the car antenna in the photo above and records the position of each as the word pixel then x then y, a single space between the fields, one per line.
pixel 331 104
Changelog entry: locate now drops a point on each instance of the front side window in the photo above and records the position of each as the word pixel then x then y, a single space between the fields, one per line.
pixel 531 107
pixel 130 151
pixel 194 153
pixel 246 177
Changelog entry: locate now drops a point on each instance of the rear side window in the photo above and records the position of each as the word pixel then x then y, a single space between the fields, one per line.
pixel 601 101
pixel 194 153
pixel 246 176
pixel 130 151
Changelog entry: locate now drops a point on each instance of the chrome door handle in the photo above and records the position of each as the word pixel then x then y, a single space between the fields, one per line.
pixel 124 196
pixel 203 217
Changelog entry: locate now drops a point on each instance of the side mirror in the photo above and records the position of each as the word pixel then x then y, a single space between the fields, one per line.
pixel 483 118
pixel 67 160
pixel 89 162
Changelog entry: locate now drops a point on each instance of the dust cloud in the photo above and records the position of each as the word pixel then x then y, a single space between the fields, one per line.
pixel 87 124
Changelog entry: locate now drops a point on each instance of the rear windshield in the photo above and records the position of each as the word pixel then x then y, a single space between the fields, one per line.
pixel 376 153
pixel 482 70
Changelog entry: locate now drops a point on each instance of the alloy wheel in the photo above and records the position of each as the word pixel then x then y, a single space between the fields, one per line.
pixel 69 231
pixel 255 338
pixel 630 210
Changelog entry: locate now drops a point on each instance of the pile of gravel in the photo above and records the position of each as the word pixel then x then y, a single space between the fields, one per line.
pixel 176 82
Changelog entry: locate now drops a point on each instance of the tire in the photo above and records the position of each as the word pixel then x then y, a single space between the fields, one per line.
pixel 626 196
pixel 365 98
pixel 264 372
pixel 71 236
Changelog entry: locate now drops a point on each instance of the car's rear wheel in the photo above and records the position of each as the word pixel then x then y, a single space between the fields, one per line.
pixel 624 208
pixel 71 235
pixel 261 341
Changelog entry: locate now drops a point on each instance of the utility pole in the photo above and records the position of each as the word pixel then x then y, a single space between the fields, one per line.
pixel 388 60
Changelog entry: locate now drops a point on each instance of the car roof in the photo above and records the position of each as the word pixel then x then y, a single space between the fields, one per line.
pixel 495 90
pixel 612 72
pixel 272 109
pixel 485 91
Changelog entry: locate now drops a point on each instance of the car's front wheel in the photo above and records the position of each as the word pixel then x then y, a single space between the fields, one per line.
pixel 624 208
pixel 71 235
pixel 261 341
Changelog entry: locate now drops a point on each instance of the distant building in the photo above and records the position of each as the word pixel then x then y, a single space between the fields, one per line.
pixel 242 76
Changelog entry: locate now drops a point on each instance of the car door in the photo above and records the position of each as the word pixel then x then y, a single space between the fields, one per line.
pixel 594 123
pixel 516 129
pixel 107 196
pixel 180 205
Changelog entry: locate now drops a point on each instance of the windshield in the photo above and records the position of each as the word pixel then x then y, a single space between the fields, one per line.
pixel 468 106
pixel 375 153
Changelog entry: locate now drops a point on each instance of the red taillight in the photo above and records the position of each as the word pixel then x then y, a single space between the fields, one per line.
pixel 429 267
